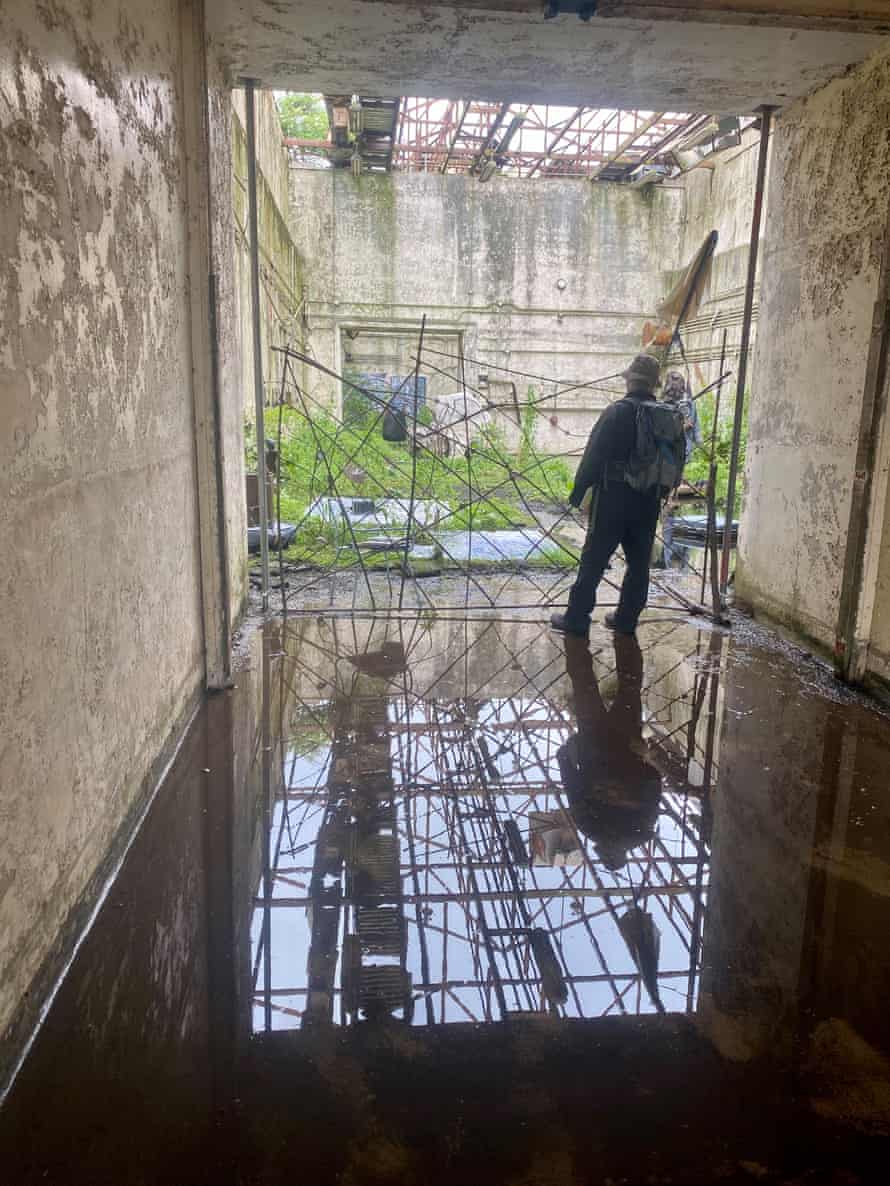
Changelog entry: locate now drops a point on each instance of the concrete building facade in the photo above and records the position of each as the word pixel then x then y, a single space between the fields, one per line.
pixel 526 279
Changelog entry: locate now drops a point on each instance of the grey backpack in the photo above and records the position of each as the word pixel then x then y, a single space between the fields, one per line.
pixel 659 449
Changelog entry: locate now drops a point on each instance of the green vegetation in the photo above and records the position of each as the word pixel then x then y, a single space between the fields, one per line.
pixel 699 465
pixel 527 428
pixel 321 458
pixel 303 116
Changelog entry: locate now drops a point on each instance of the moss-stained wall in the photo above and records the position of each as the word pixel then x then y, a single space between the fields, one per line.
pixel 827 217
pixel 720 196
pixel 281 269
pixel 551 278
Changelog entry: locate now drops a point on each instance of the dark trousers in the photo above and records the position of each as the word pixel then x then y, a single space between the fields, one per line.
pixel 619 515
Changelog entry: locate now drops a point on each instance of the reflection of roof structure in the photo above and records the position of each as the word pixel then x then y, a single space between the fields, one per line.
pixel 517 139
pixel 401 880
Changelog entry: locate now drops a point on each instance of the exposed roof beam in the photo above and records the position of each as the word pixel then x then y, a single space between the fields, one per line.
pixel 457 132
pixel 626 144
pixel 393 131
pixel 493 131
pixel 557 137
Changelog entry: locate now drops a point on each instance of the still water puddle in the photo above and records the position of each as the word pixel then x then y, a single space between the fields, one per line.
pixel 452 899
pixel 486 838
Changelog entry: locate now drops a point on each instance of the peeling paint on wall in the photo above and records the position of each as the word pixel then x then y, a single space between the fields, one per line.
pixel 282 281
pixel 828 210
pixel 101 649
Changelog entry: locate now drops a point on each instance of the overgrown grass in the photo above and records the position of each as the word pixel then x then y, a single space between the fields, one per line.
pixel 490 490
pixel 319 456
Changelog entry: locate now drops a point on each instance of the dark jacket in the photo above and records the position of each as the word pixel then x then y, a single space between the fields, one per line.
pixel 611 440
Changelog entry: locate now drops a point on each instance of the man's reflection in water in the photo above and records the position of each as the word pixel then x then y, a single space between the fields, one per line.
pixel 613 790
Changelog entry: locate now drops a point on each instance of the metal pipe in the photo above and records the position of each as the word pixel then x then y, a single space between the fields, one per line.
pixel 258 395
pixel 742 374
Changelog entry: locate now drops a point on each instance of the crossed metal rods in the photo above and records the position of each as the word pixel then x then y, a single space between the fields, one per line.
pixel 477 495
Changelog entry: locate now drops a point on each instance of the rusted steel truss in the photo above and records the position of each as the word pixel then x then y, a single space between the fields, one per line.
pixel 526 140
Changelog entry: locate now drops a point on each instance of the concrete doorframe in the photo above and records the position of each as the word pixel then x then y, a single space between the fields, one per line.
pixel 865 534
pixel 202 330
pixel 392 328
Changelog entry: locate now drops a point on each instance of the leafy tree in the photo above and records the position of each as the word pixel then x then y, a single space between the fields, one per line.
pixel 303 116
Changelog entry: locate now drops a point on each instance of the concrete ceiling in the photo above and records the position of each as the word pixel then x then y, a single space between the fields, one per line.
pixel 732 57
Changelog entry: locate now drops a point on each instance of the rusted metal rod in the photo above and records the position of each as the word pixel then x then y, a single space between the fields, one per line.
pixel 747 318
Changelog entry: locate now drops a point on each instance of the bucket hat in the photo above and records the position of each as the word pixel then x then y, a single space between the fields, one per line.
pixel 645 368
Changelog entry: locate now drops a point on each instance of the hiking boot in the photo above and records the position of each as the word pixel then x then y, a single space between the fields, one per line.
pixel 612 622
pixel 560 622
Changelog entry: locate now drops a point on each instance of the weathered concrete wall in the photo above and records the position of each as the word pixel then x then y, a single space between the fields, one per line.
pixel 552 279
pixel 726 61
pixel 232 337
pixel 827 215
pixel 719 197
pixel 878 658
pixel 138 1014
pixel 281 282
pixel 102 651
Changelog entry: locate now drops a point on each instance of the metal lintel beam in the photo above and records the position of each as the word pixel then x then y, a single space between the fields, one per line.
pixel 872 16
pixel 811 16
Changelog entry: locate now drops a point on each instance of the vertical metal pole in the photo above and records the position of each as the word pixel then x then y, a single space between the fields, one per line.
pixel 765 122
pixel 711 537
pixel 410 524
pixel 258 396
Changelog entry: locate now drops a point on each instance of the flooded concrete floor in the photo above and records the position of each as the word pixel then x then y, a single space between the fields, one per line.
pixel 441 897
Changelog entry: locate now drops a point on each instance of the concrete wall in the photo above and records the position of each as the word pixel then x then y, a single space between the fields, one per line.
pixel 719 196
pixel 484 261
pixel 232 336
pixel 102 646
pixel 281 280
pixel 827 217
pixel 138 1015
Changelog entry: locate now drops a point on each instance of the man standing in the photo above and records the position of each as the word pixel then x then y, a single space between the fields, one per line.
pixel 676 392
pixel 633 459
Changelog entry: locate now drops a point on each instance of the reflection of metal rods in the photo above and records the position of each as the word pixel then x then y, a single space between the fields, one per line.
pixel 472 738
